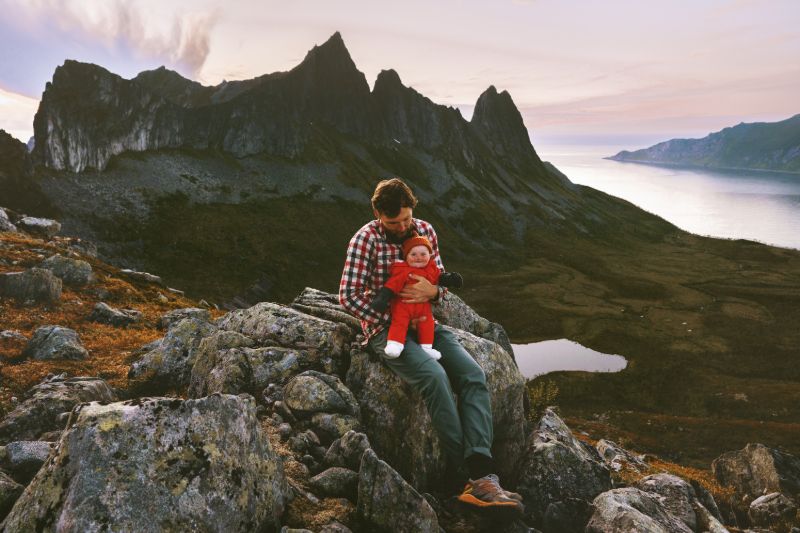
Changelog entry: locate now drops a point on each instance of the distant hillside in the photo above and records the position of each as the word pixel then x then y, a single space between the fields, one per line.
pixel 757 146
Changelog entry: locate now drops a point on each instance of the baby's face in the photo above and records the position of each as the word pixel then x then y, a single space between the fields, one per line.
pixel 418 256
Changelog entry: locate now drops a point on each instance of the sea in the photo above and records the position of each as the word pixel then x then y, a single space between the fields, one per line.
pixel 753 205
pixel 758 206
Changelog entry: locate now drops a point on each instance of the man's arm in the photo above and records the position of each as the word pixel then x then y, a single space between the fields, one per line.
pixel 358 267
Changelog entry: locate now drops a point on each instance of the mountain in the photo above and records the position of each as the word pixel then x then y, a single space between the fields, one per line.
pixel 756 146
pixel 169 175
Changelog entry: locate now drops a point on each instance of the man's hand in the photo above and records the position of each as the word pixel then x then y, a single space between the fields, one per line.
pixel 420 292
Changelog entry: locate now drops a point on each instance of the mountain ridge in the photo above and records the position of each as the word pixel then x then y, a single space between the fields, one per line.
pixel 763 146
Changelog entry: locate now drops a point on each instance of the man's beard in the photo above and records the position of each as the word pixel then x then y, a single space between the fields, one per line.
pixel 393 238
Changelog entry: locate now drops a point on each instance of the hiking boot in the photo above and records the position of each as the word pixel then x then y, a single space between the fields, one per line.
pixel 487 492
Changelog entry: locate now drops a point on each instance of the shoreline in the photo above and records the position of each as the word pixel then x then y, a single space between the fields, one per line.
pixel 706 168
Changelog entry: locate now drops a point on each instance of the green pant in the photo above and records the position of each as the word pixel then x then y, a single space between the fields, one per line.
pixel 462 430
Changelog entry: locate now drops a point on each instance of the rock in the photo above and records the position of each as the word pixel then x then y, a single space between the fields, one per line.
pixel 55 342
pixel 10 490
pixel 347 450
pixel 314 392
pixel 271 324
pixel 772 510
pixel 158 464
pixel 142 276
pixel 105 314
pixel 25 458
pixel 335 482
pixel 330 426
pixel 32 285
pixel 40 227
pixel 387 503
pixel 756 470
pixel 47 401
pixel 82 246
pixel 5 225
pixel 326 306
pixel 168 319
pixel 335 527
pixel 630 509
pixel 74 272
pixel 558 467
pixel 12 334
pixel 171 361
pixel 390 408
pixel 617 457
pixel 243 369
pixel 679 497
pixel 455 313
pixel 567 516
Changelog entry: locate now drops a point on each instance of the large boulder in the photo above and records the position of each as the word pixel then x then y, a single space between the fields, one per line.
pixel 558 467
pixel 314 392
pixel 47 404
pixel 772 510
pixel 169 318
pixel 230 362
pixel 272 324
pixel 170 361
pixel 391 408
pixel 678 496
pixel 32 285
pixel 55 342
pixel 630 509
pixel 158 464
pixel 387 503
pixel 453 312
pixel 9 493
pixel 24 458
pixel 325 305
pixel 40 227
pixel 756 470
pixel 6 225
pixel 74 272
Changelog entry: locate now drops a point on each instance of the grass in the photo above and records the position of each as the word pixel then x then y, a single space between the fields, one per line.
pixel 109 347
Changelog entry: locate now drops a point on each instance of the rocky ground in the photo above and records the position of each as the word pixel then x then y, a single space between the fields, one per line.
pixel 126 406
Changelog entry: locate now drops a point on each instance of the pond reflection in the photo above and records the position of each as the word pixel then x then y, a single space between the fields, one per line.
pixel 539 358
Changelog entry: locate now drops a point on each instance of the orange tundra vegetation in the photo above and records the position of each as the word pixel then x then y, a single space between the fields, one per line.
pixel 111 349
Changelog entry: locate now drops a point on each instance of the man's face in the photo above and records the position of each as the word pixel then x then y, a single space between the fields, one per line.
pixel 397 227
pixel 418 256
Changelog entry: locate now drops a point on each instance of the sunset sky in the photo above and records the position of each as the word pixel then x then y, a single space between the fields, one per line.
pixel 614 72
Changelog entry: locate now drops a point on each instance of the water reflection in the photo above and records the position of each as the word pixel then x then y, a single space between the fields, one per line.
pixel 539 358
pixel 732 204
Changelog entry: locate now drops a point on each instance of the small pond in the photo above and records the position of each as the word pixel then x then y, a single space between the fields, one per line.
pixel 539 358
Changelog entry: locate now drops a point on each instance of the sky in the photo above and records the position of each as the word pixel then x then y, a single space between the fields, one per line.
pixel 618 72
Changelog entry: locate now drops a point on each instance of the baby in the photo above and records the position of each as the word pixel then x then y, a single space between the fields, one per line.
pixel 418 254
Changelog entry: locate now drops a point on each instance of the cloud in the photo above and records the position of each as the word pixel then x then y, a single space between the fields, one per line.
pixel 125 37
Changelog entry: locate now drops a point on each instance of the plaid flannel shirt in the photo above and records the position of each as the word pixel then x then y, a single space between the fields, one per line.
pixel 366 269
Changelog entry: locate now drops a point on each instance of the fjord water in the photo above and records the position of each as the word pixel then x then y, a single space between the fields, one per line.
pixel 759 206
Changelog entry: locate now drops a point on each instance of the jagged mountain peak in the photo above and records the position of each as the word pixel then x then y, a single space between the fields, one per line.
pixel 499 122
pixel 389 78
pixel 332 53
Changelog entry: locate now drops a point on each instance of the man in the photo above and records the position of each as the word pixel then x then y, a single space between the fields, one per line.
pixel 464 431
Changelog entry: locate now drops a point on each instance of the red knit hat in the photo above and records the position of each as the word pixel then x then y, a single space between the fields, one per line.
pixel 416 240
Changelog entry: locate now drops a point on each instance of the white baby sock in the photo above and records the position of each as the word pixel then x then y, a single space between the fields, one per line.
pixel 393 349
pixel 434 354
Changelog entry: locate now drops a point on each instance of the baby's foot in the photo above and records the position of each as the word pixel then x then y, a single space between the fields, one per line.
pixel 434 354
pixel 393 349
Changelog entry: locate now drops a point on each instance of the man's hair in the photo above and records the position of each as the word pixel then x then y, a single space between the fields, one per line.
pixel 392 195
